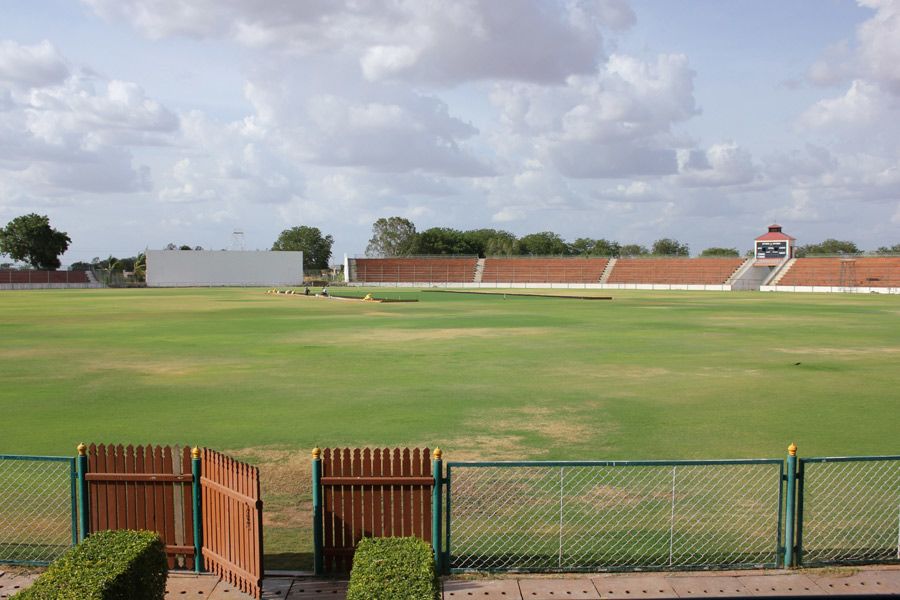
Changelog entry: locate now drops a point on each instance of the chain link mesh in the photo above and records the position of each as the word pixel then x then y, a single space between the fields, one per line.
pixel 851 511
pixel 570 518
pixel 35 509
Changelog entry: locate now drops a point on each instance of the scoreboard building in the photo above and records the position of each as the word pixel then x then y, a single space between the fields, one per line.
pixel 774 247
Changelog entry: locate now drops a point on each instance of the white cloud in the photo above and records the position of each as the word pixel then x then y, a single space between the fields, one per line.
pixel 31 66
pixel 879 39
pixel 67 131
pixel 615 123
pixel 862 105
pixel 720 165
pixel 410 40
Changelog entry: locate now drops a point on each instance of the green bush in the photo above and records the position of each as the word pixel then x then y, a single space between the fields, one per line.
pixel 108 565
pixel 393 569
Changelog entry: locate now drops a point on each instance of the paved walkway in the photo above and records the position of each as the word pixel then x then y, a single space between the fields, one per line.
pixel 880 581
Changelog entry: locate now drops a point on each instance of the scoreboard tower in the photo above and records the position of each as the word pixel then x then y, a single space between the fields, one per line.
pixel 774 247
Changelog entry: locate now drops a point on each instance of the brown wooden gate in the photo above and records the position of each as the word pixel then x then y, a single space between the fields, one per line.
pixel 373 493
pixel 232 521
pixel 144 488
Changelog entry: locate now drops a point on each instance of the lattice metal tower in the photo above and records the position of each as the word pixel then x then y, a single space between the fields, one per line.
pixel 237 240
pixel 848 272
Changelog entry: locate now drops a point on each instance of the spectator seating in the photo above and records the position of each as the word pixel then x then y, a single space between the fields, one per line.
pixel 543 270
pixel 862 271
pixel 688 271
pixel 10 276
pixel 415 270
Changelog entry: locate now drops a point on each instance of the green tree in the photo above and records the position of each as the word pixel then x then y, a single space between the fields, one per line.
pixel 490 242
pixel 715 251
pixel 592 247
pixel 442 240
pixel 895 249
pixel 394 236
pixel 829 246
pixel 140 267
pixel 670 247
pixel 316 248
pixel 634 250
pixel 30 239
pixel 545 243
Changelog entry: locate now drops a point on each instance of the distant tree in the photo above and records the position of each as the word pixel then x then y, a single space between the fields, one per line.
pixel 184 247
pixel 592 247
pixel 715 251
pixel 670 247
pixel 80 266
pixel 442 240
pixel 140 267
pixel 393 236
pixel 316 248
pixel 30 239
pixel 634 250
pixel 490 242
pixel 895 249
pixel 545 243
pixel 829 246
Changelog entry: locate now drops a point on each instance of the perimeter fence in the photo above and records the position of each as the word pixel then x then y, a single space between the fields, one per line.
pixel 671 515
pixel 848 510
pixel 37 508
pixel 590 516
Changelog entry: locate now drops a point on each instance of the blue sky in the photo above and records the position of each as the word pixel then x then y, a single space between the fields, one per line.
pixel 135 123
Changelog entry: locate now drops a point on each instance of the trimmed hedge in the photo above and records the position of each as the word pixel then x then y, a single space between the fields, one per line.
pixel 108 565
pixel 393 569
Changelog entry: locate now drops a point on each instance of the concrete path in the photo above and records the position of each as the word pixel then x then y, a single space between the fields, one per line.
pixel 881 581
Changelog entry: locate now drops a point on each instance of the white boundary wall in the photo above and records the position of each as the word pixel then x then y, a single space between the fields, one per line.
pixel 207 268
pixel 551 286
pixel 628 286
pixel 830 289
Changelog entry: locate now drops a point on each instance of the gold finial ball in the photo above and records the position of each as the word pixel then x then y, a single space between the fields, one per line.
pixel 316 453
pixel 82 449
pixel 438 454
pixel 195 452
pixel 792 449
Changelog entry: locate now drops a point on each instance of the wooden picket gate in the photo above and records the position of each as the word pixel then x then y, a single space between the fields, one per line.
pixel 144 488
pixel 373 493
pixel 232 521
pixel 152 488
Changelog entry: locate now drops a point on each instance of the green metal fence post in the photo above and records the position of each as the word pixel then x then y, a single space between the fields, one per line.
pixel 790 504
pixel 438 472
pixel 198 511
pixel 318 563
pixel 83 506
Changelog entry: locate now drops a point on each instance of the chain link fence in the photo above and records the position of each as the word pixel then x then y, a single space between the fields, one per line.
pixel 37 508
pixel 849 510
pixel 613 515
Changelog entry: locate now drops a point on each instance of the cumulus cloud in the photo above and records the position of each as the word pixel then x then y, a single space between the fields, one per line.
pixel 61 130
pixel 352 123
pixel 614 123
pixel 879 39
pixel 31 66
pixel 720 165
pixel 409 40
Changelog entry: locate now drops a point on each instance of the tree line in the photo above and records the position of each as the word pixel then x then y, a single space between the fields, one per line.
pixel 30 239
pixel 397 236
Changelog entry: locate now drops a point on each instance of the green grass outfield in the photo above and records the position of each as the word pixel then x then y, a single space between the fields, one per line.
pixel 647 375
